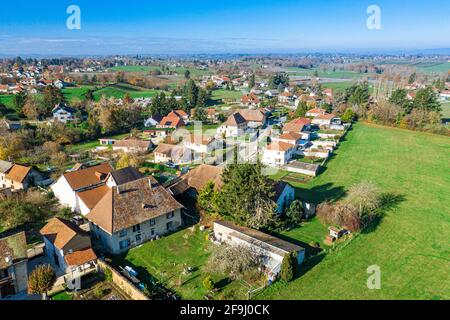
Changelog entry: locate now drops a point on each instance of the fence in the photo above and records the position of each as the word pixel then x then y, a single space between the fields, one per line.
pixel 123 283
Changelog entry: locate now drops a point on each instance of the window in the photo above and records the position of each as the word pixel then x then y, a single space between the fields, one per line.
pixel 123 233
pixel 138 237
pixel 137 228
pixel 3 273
pixel 152 222
pixel 152 232
pixel 169 226
pixel 124 244
pixel 170 215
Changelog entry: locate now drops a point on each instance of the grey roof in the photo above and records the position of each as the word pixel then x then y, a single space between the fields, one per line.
pixel 270 242
pixel 13 246
pixel 303 166
pixel 5 166
pixel 126 175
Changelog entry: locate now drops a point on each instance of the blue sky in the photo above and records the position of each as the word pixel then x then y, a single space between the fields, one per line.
pixel 195 26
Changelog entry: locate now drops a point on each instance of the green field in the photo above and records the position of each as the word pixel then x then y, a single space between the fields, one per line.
pixel 7 100
pixel 434 67
pixel 446 110
pixel 411 244
pixel 337 86
pixel 223 94
pixel 166 259
pixel 339 74
pixel 178 70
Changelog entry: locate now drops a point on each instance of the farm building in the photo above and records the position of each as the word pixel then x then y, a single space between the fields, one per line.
pixel 272 249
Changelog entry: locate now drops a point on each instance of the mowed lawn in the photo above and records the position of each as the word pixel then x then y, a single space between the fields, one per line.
pixel 411 244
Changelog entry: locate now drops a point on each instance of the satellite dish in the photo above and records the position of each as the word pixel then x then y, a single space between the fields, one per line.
pixel 8 259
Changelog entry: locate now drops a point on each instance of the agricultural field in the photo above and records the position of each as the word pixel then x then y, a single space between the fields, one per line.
pixel 337 86
pixel 178 70
pixel 339 74
pixel 410 244
pixel 434 68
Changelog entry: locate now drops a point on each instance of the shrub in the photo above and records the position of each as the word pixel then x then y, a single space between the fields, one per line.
pixel 208 283
pixel 289 267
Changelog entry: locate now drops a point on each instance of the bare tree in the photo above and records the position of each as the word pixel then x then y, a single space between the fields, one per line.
pixel 365 196
pixel 235 261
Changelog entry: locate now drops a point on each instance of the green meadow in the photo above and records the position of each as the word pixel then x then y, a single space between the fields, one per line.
pixel 410 244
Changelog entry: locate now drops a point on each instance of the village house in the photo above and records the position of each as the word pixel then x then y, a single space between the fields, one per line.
pixel 68 246
pixel 411 95
pixel 324 120
pixel 157 133
pixel 175 154
pixel 172 121
pixel 316 112
pixel 271 93
pixel 153 121
pixel 10 125
pixel 200 143
pixel 212 115
pixel 89 198
pixel 199 177
pixel 272 249
pixel 63 113
pixel 235 126
pixel 445 95
pixel 285 98
pixel 105 142
pixel 278 154
pixel 254 118
pixel 17 177
pixel 133 145
pixel 13 265
pixel 133 213
pixel 68 186
pixel 284 195
pixel 250 100
pixel 300 126
pixel 290 137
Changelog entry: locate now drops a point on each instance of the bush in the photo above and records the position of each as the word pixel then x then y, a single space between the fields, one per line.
pixel 208 283
pixel 289 267
pixel 108 275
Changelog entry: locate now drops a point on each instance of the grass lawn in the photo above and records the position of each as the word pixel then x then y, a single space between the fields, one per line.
pixel 410 244
pixel 89 145
pixel 118 91
pixel 226 94
pixel 166 259
pixel 62 296
pixel 7 100
pixel 446 110
pixel 337 86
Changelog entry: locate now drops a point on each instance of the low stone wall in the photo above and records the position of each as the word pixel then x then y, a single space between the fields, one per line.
pixel 123 283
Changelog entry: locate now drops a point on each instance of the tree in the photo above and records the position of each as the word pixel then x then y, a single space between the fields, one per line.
pixel 348 116
pixel 251 81
pixel 359 94
pixel 365 196
pixel 399 98
pixel 289 267
pixel 294 214
pixel 187 74
pixel 252 207
pixel 302 109
pixel 208 283
pixel 200 114
pixel 277 79
pixel 207 198
pixel 52 97
pixel 235 261
pixel 426 99
pixel 128 160
pixel 41 280
pixel 19 100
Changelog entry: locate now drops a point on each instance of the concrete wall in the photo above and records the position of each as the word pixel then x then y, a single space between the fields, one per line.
pixel 123 283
